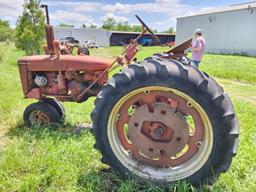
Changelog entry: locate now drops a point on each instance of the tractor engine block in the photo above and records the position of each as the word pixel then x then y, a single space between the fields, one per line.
pixel 66 84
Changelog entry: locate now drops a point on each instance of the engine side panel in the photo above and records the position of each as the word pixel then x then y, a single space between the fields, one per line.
pixel 42 77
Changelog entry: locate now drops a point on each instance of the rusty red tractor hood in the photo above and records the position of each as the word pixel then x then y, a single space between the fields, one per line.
pixel 65 64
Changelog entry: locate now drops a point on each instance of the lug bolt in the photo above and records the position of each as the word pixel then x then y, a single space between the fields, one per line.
pixel 159 131
pixel 189 104
pixel 178 138
pixel 199 143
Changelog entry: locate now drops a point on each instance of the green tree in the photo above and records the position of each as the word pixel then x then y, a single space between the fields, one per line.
pixel 65 25
pixel 136 28
pixel 92 26
pixel 83 26
pixel 170 30
pixel 123 26
pixel 6 32
pixel 30 28
pixel 109 24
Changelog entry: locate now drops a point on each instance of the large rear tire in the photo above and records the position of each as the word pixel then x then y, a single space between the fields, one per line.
pixel 162 121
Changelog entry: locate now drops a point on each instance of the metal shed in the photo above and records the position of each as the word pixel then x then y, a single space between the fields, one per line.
pixel 228 30
pixel 105 38
pixel 122 37
pixel 101 36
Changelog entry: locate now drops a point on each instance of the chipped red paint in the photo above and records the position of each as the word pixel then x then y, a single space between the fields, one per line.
pixel 34 93
pixel 131 52
pixel 64 63
pixel 61 73
pixel 76 78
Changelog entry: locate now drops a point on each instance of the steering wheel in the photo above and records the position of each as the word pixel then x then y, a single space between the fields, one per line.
pixel 148 29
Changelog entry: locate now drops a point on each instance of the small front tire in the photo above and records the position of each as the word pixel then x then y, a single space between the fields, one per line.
pixel 57 105
pixel 40 114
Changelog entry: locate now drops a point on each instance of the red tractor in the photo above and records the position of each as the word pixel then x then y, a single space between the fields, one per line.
pixel 160 119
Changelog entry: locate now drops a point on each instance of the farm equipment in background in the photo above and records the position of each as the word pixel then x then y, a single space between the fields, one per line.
pixel 171 44
pixel 91 44
pixel 160 119
pixel 69 39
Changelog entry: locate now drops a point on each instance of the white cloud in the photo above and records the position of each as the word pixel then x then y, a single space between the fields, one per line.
pixel 86 7
pixel 115 17
pixel 10 8
pixel 167 1
pixel 160 23
pixel 206 9
pixel 168 8
pixel 72 18
pixel 159 6
pixel 117 8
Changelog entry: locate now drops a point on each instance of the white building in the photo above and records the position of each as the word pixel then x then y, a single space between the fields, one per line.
pixel 228 30
pixel 103 37
pixel 100 36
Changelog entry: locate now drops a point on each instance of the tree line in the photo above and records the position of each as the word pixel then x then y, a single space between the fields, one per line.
pixel 113 25
pixel 109 24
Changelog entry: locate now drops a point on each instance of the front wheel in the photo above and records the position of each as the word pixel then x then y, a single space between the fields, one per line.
pixel 41 114
pixel 165 122
pixel 57 105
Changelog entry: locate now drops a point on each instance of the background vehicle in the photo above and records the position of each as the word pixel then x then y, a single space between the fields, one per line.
pixel 144 41
pixel 91 44
pixel 160 119
pixel 69 39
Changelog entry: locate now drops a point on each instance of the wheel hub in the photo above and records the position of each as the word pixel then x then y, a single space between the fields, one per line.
pixel 38 117
pixel 158 131
pixel 162 130
pixel 153 127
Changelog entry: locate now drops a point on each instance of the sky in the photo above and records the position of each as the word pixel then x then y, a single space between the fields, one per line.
pixel 158 14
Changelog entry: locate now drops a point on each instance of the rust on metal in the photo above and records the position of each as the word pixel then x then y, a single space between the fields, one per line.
pixel 72 78
pixel 163 117
pixel 49 39
pixel 158 130
pixel 178 51
pixel 39 117
pixel 61 73
pixel 65 63
pixel 182 47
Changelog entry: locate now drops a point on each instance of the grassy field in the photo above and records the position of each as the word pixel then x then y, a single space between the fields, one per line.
pixel 239 68
pixel 57 160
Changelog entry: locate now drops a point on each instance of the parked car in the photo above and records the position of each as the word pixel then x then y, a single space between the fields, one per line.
pixel 145 41
pixel 69 39
pixel 91 44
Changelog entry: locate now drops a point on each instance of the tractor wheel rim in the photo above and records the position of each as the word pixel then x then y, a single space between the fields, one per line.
pixel 151 147
pixel 38 117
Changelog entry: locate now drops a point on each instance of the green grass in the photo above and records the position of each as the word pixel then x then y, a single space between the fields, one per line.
pixel 57 160
pixel 240 68
pixel 240 90
pixel 112 52
pixel 230 67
